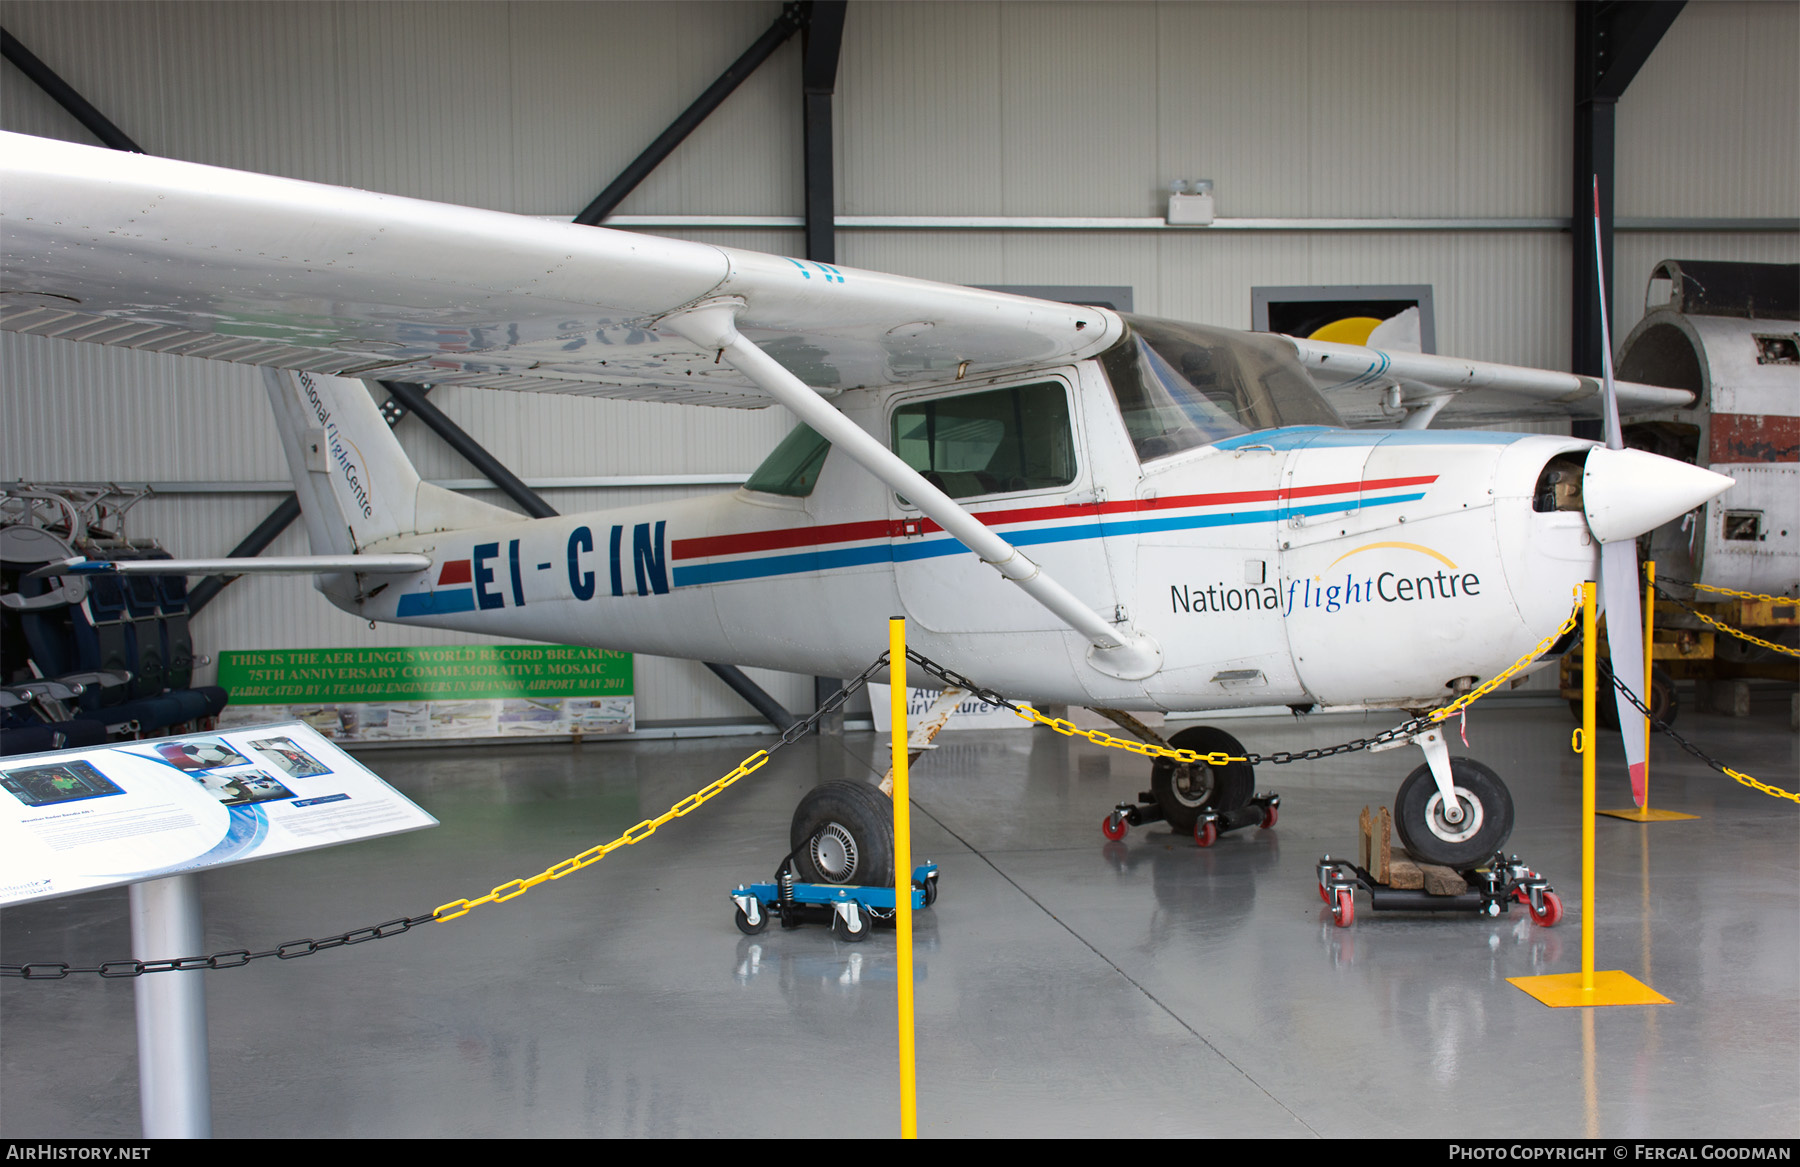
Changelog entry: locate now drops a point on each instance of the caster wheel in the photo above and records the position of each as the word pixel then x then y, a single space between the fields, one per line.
pixel 1552 910
pixel 843 931
pixel 1344 911
pixel 930 892
pixel 1114 827
pixel 749 927
pixel 1269 817
pixel 1206 834
pixel 1324 895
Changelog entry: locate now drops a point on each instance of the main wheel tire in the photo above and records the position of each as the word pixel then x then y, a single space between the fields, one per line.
pixel 1184 791
pixel 845 834
pixel 1486 825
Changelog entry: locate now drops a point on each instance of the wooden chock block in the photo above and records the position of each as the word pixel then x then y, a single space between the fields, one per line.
pixel 1443 881
pixel 1374 844
pixel 1384 829
pixel 1404 873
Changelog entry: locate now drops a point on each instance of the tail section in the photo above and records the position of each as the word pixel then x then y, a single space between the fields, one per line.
pixel 357 488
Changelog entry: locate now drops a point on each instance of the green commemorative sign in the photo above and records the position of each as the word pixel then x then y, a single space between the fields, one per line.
pixel 432 693
pixel 444 673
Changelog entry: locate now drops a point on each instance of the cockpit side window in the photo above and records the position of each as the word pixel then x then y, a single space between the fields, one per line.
pixel 792 469
pixel 1180 386
pixel 997 441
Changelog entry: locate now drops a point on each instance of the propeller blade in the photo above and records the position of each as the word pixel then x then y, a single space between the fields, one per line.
pixel 1625 647
pixel 1619 565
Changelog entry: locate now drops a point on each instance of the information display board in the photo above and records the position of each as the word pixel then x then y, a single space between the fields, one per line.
pixel 79 820
pixel 436 692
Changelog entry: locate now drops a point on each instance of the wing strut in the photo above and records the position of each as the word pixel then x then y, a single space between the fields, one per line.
pixel 1116 651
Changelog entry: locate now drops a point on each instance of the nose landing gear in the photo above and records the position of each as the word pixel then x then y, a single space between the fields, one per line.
pixel 1452 811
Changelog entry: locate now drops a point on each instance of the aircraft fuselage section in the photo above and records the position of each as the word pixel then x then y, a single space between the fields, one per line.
pixel 1285 567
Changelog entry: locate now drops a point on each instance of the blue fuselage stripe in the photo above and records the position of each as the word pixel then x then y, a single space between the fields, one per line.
pixel 808 561
pixel 436 603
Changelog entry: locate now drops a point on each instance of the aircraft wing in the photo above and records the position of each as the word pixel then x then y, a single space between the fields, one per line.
pixel 151 253
pixel 1372 386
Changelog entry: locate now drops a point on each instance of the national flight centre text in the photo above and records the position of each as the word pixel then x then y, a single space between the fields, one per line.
pixel 1304 594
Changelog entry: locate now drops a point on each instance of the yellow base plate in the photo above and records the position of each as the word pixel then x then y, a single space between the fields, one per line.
pixel 1564 991
pixel 1646 815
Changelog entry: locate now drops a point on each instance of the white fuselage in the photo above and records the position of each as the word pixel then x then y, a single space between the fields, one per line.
pixel 1295 566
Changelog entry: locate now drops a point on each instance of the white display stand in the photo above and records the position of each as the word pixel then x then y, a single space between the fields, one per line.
pixel 150 815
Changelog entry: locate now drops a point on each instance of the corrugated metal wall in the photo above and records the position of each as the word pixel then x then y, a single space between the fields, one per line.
pixel 1294 110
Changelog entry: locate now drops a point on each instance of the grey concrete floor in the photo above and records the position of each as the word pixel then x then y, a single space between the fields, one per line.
pixel 1066 986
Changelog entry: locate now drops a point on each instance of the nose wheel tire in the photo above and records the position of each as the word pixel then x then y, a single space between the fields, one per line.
pixel 845 834
pixel 1428 832
pixel 1183 791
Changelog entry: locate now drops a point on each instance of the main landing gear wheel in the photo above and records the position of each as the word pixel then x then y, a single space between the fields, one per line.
pixel 844 832
pixel 1427 832
pixel 1183 791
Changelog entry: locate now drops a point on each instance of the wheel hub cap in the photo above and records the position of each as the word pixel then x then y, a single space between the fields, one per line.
pixel 834 853
pixel 1464 827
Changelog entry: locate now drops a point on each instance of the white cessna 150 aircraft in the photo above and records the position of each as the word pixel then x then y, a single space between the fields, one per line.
pixel 1070 504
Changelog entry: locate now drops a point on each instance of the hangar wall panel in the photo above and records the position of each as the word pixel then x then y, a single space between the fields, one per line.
pixel 1293 109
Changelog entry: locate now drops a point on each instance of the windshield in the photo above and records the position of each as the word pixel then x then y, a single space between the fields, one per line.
pixel 1180 386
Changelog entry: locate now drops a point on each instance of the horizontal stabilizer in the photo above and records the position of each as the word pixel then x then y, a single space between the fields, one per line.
pixel 259 565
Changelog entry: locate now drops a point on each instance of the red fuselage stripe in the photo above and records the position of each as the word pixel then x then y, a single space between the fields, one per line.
pixel 752 541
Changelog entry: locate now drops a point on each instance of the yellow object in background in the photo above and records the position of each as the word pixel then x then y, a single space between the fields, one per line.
pixel 1349 330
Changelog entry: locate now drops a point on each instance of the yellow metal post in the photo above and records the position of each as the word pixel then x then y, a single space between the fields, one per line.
pixel 1561 990
pixel 1590 676
pixel 1649 643
pixel 903 921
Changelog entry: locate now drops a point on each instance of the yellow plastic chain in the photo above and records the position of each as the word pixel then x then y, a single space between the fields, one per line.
pixel 592 855
pixel 1221 758
pixel 1101 738
pixel 1773 791
pixel 1742 595
pixel 1542 647
pixel 1741 634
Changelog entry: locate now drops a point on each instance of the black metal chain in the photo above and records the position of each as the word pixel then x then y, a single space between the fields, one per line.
pixel 238 957
pixel 1416 725
pixel 1606 671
